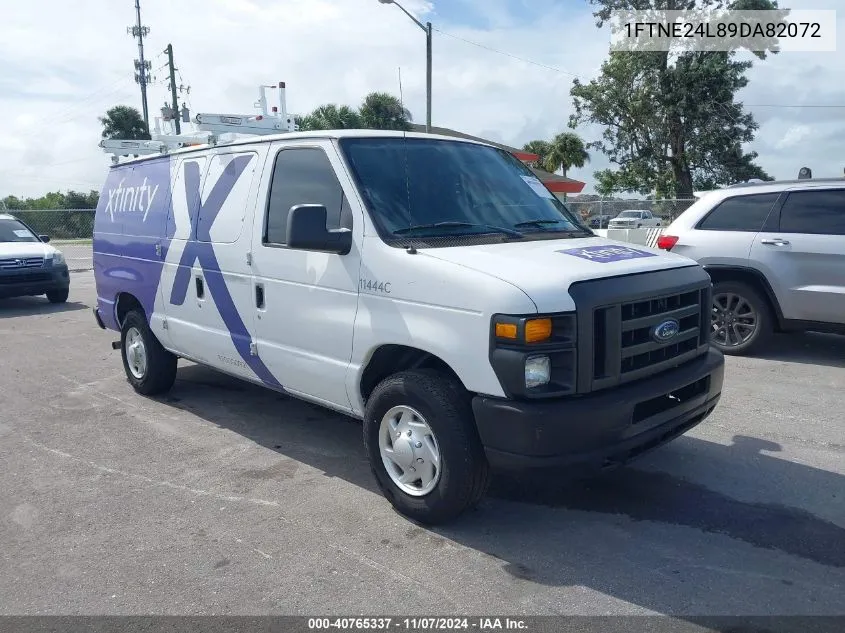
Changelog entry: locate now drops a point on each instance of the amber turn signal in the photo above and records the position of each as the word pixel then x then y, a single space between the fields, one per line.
pixel 506 330
pixel 537 330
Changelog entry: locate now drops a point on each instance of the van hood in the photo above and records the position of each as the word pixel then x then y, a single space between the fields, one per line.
pixel 544 269
pixel 25 249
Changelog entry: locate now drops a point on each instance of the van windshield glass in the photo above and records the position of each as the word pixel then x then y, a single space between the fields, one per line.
pixel 13 231
pixel 437 188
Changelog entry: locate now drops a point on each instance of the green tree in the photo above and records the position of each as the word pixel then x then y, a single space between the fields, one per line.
pixel 330 117
pixel 565 151
pixel 541 148
pixel 124 122
pixel 671 122
pixel 383 111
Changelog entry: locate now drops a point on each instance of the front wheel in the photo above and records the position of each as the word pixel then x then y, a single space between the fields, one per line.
pixel 149 367
pixel 424 449
pixel 741 320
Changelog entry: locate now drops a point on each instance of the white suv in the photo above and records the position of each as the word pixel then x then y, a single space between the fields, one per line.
pixel 776 254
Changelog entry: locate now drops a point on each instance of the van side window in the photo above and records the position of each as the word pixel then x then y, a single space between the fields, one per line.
pixel 301 176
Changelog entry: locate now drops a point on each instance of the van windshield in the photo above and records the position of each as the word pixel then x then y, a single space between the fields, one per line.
pixel 423 188
pixel 12 230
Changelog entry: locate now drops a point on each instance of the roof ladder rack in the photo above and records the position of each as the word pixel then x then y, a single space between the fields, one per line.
pixel 210 126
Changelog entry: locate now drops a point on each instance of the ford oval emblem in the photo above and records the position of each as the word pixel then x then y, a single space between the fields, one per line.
pixel 666 330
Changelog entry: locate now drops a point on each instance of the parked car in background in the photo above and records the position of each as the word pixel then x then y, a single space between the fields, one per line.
pixel 776 254
pixel 634 219
pixel 28 265
pixel 598 221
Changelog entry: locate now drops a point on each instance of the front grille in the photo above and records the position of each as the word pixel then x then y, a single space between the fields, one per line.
pixel 24 278
pixel 617 319
pixel 18 263
pixel 639 318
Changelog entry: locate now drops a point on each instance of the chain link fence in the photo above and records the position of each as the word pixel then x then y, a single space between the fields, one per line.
pixel 70 230
pixel 598 212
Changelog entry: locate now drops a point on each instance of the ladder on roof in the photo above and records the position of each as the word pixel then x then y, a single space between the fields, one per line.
pixel 210 127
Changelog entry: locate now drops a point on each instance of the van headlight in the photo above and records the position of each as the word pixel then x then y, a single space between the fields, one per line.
pixel 538 371
pixel 535 355
pixel 58 258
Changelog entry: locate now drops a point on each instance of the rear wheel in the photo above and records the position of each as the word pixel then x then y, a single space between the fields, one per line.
pixel 149 367
pixel 423 446
pixel 57 296
pixel 741 319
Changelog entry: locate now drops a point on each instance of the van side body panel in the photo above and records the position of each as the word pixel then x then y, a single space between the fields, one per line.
pixel 130 223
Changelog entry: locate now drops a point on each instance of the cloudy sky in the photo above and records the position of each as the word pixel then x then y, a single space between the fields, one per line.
pixel 64 62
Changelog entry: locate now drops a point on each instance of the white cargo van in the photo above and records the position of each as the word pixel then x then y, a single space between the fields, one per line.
pixel 429 286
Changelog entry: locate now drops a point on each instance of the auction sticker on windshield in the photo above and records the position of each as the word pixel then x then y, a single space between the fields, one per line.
pixel 538 187
pixel 608 253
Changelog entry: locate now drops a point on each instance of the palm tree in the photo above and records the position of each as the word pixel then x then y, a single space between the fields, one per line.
pixel 124 122
pixel 330 117
pixel 541 148
pixel 566 150
pixel 383 111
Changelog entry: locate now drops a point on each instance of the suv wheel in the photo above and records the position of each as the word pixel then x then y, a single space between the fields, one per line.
pixel 741 319
pixel 57 296
pixel 149 367
pixel 424 450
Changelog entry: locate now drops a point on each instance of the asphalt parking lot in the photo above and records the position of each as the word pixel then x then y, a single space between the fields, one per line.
pixel 226 498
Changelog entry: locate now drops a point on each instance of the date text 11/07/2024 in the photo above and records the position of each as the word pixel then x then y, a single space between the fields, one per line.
pixel 417 624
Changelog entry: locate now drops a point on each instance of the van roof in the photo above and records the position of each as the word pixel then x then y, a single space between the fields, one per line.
pixel 313 134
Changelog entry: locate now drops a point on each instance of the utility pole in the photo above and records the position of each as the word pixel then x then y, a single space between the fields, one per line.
pixel 169 51
pixel 428 76
pixel 427 28
pixel 141 65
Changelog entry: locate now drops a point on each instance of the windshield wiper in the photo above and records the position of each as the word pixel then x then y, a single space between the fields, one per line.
pixel 437 225
pixel 539 223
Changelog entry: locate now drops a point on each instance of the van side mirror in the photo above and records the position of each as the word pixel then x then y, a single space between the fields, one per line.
pixel 44 238
pixel 307 231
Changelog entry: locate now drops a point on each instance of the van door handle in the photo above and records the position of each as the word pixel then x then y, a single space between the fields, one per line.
pixel 775 242
pixel 200 287
pixel 259 296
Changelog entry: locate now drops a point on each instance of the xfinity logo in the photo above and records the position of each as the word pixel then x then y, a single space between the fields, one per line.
pixel 131 199
pixel 607 253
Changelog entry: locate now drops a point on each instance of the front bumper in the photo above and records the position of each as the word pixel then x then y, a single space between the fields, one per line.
pixel 603 429
pixel 32 282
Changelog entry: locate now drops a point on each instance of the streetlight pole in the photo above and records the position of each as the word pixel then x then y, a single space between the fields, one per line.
pixel 427 28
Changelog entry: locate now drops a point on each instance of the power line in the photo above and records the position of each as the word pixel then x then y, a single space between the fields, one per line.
pixel 797 105
pixel 506 54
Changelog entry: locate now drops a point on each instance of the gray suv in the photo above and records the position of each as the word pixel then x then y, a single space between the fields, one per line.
pixel 776 254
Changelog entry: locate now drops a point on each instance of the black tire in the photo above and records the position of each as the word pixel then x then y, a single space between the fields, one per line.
pixel 160 371
pixel 445 405
pixel 764 317
pixel 57 296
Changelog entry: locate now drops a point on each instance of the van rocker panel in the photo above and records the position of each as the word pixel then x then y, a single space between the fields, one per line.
pixel 602 429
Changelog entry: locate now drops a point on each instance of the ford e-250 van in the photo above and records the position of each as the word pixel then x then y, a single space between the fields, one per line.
pixel 428 285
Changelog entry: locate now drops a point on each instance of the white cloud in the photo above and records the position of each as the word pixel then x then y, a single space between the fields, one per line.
pixel 57 81
pixel 793 136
